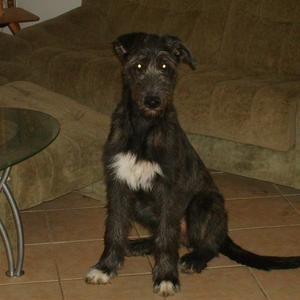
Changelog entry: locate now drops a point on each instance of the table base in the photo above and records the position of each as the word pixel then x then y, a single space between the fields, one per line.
pixel 14 269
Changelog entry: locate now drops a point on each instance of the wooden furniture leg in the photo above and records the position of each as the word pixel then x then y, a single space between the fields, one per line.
pixel 14 26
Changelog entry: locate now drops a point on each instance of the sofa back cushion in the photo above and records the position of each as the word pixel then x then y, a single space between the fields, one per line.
pixel 263 36
pixel 200 24
pixel 208 32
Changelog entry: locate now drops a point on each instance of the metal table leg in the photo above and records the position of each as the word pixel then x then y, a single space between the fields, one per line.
pixel 13 269
pixel 8 250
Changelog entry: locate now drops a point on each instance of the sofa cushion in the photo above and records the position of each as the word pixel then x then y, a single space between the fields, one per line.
pixel 72 161
pixel 12 47
pixel 79 28
pixel 181 24
pixel 3 80
pixel 263 36
pixel 13 70
pixel 256 110
pixel 134 17
pixel 92 75
pixel 207 36
pixel 234 106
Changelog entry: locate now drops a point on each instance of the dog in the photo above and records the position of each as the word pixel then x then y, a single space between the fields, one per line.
pixel 155 177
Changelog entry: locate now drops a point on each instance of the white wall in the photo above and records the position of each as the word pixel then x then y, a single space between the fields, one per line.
pixel 46 9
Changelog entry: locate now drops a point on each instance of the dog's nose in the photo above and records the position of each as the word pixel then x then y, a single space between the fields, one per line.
pixel 152 102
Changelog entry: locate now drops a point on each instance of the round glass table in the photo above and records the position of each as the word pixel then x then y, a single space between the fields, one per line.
pixel 23 133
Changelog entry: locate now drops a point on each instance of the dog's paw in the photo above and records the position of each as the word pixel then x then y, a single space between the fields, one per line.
pixel 191 262
pixel 166 288
pixel 95 276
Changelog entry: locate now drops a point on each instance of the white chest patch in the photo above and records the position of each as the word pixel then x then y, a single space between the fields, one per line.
pixel 138 174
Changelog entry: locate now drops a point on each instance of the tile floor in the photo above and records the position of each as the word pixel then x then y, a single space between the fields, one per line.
pixel 64 237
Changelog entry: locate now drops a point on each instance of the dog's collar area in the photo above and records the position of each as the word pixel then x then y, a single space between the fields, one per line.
pixel 138 174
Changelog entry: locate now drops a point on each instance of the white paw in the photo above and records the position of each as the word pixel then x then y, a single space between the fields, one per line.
pixel 95 276
pixel 166 288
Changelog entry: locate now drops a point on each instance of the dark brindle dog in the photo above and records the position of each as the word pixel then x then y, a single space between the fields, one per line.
pixel 156 178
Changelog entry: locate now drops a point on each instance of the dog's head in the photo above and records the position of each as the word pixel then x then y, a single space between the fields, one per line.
pixel 150 68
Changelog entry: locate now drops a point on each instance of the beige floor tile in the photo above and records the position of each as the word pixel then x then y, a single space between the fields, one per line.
pixel 221 261
pixel 281 284
pixel 220 284
pixel 261 212
pixel 286 190
pixel 31 291
pixel 69 201
pixel 142 231
pixel 122 288
pixel 74 260
pixel 35 227
pixel 78 224
pixel 70 219
pixel 281 241
pixel 233 186
pixel 228 283
pixel 39 265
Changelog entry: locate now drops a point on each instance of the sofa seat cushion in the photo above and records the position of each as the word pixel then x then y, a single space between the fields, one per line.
pixel 224 103
pixel 72 161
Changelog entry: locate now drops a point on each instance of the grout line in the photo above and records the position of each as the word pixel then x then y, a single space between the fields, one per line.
pixel 145 235
pixel 29 282
pixel 288 200
pixel 290 195
pixel 264 227
pixel 49 229
pixel 292 205
pixel 61 209
pixel 261 287
pixel 63 242
pixel 58 275
pixel 50 237
pixel 149 262
pixel 285 194
pixel 253 197
pixel 119 275
pixel 225 267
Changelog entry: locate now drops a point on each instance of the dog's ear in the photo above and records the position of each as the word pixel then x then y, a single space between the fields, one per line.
pixel 182 53
pixel 126 43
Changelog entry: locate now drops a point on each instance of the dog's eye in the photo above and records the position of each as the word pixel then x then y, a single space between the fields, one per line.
pixel 139 66
pixel 164 67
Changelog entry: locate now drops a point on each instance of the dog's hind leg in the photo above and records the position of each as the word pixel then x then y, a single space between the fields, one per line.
pixel 206 223
pixel 142 246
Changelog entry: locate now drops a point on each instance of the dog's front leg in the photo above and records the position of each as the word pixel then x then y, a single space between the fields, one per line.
pixel 117 228
pixel 165 272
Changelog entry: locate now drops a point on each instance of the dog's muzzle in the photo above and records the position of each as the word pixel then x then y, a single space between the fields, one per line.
pixel 152 102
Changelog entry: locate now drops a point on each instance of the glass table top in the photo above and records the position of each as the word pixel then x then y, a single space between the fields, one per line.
pixel 23 133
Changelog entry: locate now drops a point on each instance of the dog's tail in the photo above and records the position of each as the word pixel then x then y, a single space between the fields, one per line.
pixel 242 256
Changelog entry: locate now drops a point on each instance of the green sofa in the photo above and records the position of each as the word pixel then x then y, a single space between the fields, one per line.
pixel 241 107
